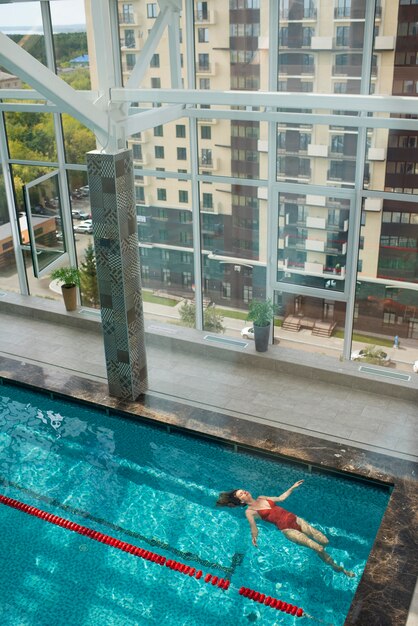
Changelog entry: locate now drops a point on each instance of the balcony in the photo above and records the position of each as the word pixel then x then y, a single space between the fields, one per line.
pixel 126 20
pixel 204 17
pixel 314 245
pixel 206 69
pixel 306 13
pixel 297 70
pixel 208 164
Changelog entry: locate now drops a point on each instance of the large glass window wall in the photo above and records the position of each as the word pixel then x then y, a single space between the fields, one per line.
pixel 235 199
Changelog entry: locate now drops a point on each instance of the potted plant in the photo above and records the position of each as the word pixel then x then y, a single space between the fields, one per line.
pixel 261 313
pixel 69 278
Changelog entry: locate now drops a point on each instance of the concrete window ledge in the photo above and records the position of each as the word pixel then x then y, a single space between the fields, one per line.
pixel 312 366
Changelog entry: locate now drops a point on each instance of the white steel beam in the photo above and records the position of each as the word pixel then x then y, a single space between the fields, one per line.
pixel 174 48
pixel 21 63
pixel 154 117
pixel 372 104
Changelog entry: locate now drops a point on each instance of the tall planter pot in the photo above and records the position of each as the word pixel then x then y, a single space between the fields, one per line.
pixel 69 293
pixel 261 337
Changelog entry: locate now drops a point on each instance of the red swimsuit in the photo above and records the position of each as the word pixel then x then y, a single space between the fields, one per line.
pixel 280 517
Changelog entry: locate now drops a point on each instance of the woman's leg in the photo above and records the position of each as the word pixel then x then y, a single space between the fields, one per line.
pixel 301 539
pixel 309 530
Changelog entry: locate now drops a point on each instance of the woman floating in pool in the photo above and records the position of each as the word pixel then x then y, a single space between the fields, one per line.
pixel 294 528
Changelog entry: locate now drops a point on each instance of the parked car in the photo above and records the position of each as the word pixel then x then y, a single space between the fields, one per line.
pixel 80 215
pixel 84 227
pixel 415 367
pixel 247 332
pixel 370 355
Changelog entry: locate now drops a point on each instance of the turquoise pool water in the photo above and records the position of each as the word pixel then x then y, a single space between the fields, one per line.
pixel 157 490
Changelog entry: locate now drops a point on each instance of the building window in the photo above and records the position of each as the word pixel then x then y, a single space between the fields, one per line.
pixel 145 272
pixel 156 83
pixel 186 278
pixel 130 61
pixel 185 217
pixel 158 131
pixel 206 156
pixel 159 152
pixel 343 8
pixel 166 276
pixel 283 36
pixel 307 34
pixel 127 15
pixel 226 290
pixel 185 237
pixel 144 252
pixel 129 38
pixel 152 10
pixel 203 62
pixel 207 201
pixel 155 60
pixel 247 293
pixel 203 35
pixel 205 132
pixel 181 154
pixel 160 169
pixel 202 13
pixel 180 131
pixel 186 258
pixel 343 34
pixel 137 152
pixel 165 255
pixel 161 194
pixel 139 194
pixel 183 196
pixel 204 83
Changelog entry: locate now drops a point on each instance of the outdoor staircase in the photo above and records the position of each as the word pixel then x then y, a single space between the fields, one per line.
pixel 292 323
pixel 323 328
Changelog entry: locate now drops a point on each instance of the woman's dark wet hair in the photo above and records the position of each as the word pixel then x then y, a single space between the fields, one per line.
pixel 229 498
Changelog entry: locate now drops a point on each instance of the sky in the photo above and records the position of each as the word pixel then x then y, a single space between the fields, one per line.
pixel 64 12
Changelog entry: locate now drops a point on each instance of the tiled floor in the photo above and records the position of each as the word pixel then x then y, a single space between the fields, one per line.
pixel 373 421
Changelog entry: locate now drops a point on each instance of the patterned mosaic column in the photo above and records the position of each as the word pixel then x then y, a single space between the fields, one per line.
pixel 111 182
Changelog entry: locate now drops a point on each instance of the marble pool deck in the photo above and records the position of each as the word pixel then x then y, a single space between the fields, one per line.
pixel 69 361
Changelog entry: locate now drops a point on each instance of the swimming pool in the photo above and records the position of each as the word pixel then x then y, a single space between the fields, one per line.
pixel 157 490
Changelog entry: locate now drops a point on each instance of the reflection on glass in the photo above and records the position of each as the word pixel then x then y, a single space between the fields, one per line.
pixel 312 241
pixel 83 236
pixel 43 213
pixel 31 136
pixel 77 140
pixel 320 154
pixel 385 311
pixel 70 43
pixel 317 317
pixel 8 271
pixel 233 246
pixel 22 175
pixel 165 235
pixel 386 300
pixel 26 32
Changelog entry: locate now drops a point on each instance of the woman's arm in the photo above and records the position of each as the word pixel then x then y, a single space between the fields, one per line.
pixel 254 530
pixel 284 495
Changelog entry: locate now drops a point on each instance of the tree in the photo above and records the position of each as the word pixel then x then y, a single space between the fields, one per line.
pixel 88 278
pixel 212 319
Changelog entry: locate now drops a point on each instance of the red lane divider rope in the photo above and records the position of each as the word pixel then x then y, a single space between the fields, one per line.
pixel 222 583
